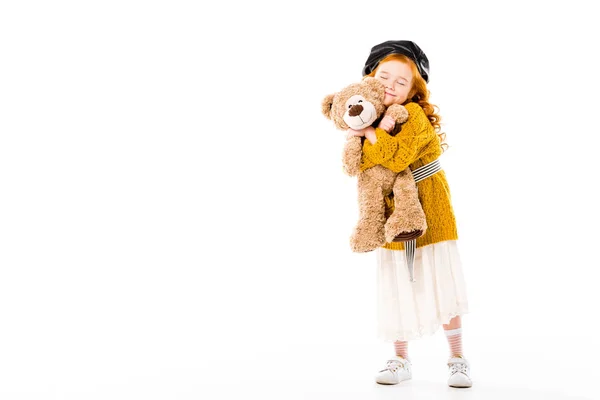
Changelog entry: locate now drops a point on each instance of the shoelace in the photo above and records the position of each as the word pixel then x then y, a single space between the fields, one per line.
pixel 458 367
pixel 393 366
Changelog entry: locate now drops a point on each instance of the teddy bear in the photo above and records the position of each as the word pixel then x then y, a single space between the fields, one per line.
pixel 357 106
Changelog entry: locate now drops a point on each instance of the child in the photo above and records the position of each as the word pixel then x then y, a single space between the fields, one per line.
pixel 412 307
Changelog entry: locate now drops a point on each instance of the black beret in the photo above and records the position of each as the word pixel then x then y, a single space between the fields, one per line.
pixel 405 47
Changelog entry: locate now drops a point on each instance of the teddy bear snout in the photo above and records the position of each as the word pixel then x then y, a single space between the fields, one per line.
pixel 355 110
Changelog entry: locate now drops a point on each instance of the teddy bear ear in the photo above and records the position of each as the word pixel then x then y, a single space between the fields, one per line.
pixel 326 105
pixel 373 83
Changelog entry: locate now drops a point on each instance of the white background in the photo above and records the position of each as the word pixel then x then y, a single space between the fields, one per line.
pixel 174 220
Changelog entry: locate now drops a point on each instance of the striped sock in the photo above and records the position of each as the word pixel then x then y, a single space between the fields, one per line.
pixel 454 337
pixel 401 349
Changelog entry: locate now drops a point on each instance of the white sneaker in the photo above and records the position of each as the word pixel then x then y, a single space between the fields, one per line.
pixel 397 370
pixel 459 373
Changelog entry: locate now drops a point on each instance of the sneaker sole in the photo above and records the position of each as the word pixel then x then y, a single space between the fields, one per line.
pixel 460 387
pixel 397 383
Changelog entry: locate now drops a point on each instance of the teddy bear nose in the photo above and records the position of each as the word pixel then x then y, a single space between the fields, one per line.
pixel 355 110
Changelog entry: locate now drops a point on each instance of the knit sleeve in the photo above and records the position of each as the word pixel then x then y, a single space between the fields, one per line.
pixel 416 133
pixel 383 149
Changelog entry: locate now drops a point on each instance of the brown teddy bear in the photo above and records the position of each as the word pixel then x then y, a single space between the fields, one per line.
pixel 357 106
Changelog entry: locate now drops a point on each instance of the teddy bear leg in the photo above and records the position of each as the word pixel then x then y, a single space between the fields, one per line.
pixel 407 222
pixel 369 232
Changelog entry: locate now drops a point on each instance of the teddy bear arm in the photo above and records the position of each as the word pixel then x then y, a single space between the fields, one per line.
pixel 352 156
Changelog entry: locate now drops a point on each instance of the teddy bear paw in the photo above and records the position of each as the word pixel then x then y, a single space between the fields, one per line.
pixel 398 229
pixel 363 241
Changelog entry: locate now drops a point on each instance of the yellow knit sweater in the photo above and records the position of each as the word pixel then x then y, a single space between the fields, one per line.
pixel 416 145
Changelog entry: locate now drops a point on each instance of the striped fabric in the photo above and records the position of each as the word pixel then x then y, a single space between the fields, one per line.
pixel 401 349
pixel 454 337
pixel 427 170
pixel 419 174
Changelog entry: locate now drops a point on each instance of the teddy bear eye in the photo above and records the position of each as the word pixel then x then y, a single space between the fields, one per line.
pixel 360 101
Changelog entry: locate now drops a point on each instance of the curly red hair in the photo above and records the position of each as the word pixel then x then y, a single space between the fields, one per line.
pixel 419 94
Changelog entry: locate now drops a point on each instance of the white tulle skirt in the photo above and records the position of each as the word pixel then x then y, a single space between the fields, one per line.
pixel 410 310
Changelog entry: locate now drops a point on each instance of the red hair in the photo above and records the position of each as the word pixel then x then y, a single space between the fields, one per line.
pixel 418 94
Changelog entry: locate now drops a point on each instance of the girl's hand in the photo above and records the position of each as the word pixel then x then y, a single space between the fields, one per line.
pixel 387 124
pixel 370 135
